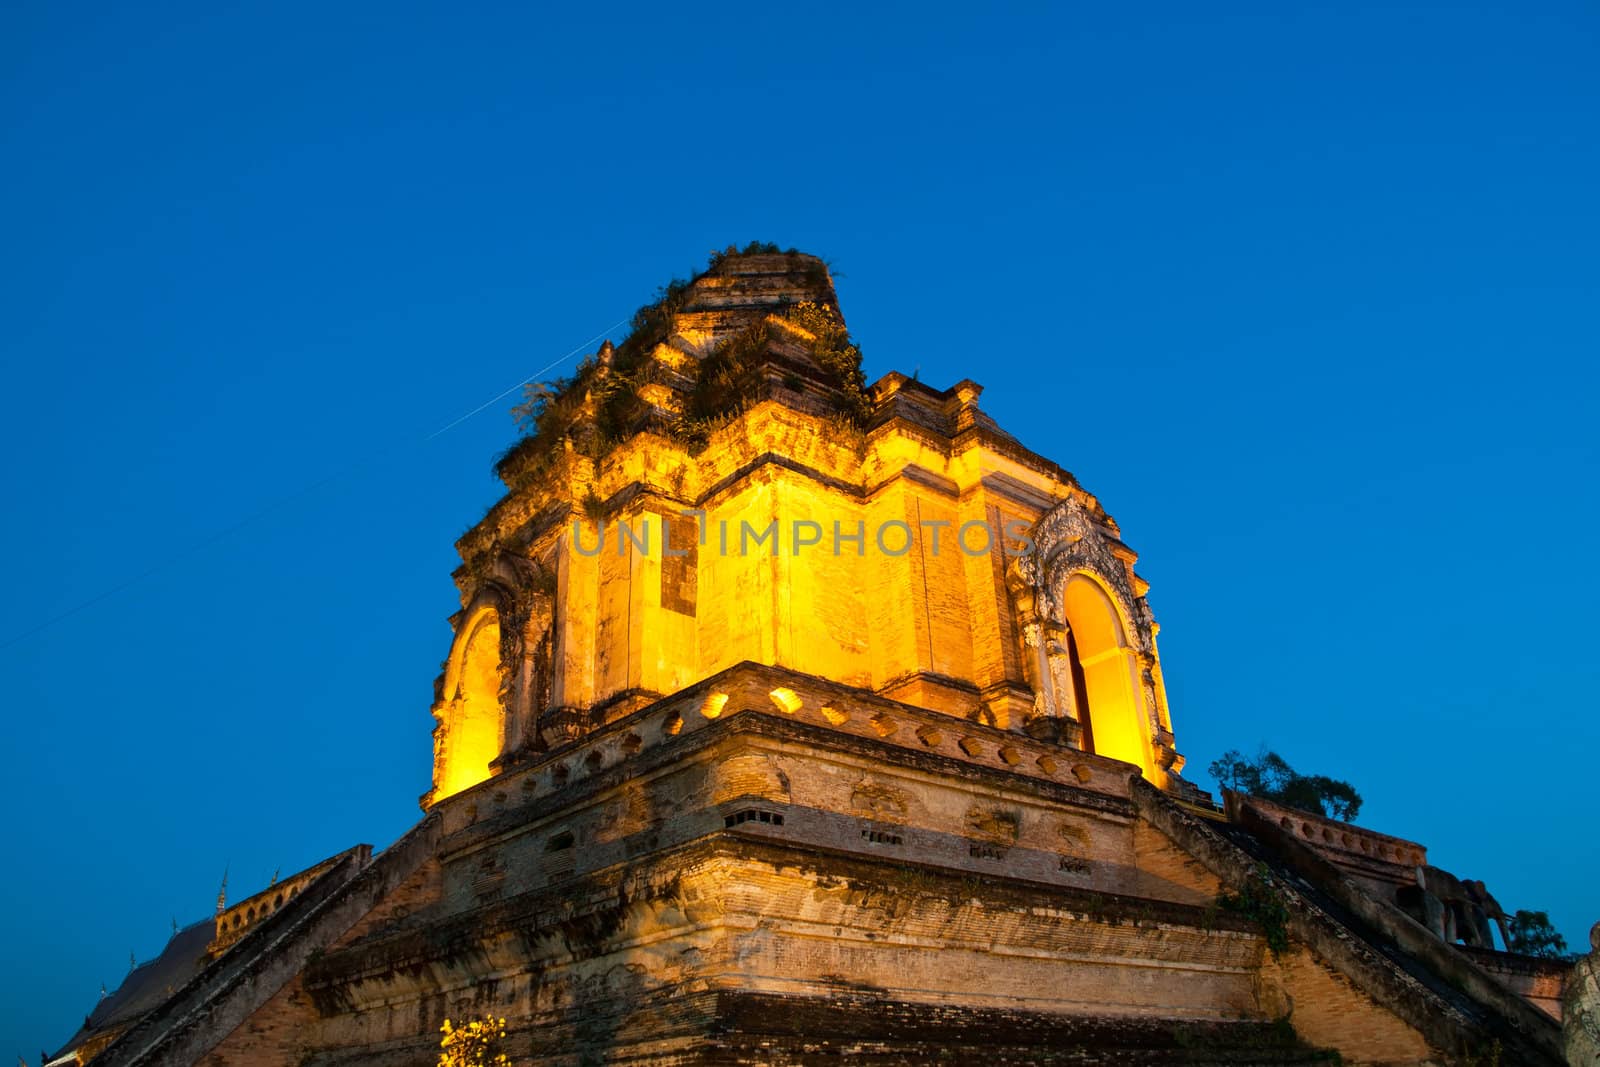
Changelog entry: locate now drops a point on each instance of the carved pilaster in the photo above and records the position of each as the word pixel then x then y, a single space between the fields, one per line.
pixel 1059 659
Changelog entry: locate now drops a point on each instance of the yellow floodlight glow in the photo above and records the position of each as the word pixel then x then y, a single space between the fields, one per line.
pixel 786 699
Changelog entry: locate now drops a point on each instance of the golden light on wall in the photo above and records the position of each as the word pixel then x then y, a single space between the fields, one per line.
pixel 786 699
pixel 1116 720
pixel 472 720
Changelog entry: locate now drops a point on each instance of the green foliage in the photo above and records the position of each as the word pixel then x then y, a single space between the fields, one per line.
pixel 1270 777
pixel 550 409
pixel 754 248
pixel 652 322
pixel 727 380
pixel 1259 902
pixel 837 354
pixel 1533 935
pixel 730 375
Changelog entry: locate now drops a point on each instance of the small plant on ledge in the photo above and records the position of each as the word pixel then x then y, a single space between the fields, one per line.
pixel 1259 902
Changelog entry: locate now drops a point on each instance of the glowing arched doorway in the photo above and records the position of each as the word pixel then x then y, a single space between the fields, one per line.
pixel 473 719
pixel 1114 721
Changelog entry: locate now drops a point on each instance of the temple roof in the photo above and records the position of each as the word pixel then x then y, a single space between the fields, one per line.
pixel 148 984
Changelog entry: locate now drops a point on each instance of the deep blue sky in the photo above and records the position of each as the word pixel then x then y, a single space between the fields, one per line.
pixel 1306 295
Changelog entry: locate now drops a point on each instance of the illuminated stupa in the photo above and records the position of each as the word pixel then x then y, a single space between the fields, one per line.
pixel 789 719
pixel 724 489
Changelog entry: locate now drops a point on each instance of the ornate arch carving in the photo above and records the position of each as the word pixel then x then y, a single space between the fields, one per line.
pixel 1070 540
pixel 469 701
pixel 518 595
pixel 522 591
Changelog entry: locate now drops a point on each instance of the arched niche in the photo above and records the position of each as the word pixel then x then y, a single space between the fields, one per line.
pixel 1107 669
pixel 472 717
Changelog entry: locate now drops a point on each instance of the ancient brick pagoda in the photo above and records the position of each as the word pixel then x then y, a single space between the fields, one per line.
pixel 837 796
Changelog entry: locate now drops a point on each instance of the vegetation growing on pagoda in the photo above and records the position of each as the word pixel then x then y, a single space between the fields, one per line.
pixel 1258 901
pixel 730 378
pixel 603 402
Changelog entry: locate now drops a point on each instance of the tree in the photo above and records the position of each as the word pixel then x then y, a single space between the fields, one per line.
pixel 477 1043
pixel 1270 777
pixel 1532 935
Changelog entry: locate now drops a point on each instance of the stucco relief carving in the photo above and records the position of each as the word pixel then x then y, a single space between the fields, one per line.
pixel 1069 539
pixel 880 800
pixel 1059 661
pixel 1034 662
pixel 1073 834
pixel 1001 825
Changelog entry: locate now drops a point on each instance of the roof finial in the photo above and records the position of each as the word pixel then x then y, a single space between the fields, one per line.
pixel 222 893
pixel 275 871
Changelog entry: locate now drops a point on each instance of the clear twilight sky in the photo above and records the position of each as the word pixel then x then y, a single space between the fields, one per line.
pixel 1307 295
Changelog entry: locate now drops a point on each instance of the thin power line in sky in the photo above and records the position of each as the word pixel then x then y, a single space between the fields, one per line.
pixel 287 499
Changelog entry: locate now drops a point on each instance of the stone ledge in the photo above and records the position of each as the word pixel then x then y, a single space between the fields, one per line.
pixel 587 909
pixel 829 714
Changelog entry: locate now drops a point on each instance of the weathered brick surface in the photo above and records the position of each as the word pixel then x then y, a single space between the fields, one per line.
pixel 1540 981
pixel 1329 1010
pixel 604 901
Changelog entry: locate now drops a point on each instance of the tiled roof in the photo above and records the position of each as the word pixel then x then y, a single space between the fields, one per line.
pixel 148 984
